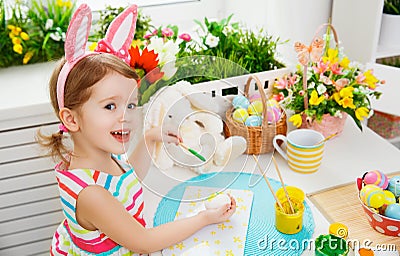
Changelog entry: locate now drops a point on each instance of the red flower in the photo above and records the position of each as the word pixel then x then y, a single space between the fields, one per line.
pixel 145 63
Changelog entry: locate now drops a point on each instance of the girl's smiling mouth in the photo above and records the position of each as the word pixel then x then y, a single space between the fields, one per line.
pixel 121 136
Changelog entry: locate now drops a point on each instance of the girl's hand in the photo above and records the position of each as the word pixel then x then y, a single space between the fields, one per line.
pixel 220 214
pixel 158 134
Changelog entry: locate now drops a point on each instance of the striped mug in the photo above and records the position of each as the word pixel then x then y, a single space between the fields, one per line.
pixel 304 149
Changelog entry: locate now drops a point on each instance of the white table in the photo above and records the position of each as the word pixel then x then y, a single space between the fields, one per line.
pixel 346 157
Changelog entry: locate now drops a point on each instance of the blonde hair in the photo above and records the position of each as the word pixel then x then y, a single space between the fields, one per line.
pixel 82 77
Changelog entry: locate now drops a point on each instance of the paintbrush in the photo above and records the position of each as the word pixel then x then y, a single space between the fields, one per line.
pixel 327 138
pixel 192 151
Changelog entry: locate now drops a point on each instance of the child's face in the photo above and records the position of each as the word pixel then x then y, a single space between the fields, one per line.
pixel 108 118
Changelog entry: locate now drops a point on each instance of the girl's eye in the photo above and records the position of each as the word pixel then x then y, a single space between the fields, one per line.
pixel 110 106
pixel 131 106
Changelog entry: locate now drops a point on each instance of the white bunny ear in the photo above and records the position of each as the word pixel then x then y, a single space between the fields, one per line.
pixel 78 33
pixel 120 34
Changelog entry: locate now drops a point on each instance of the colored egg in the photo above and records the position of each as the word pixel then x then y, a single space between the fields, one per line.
pixel 377 178
pixel 394 185
pixel 393 211
pixel 273 114
pixel 389 197
pixel 272 103
pixel 217 201
pixel 255 108
pixel 253 121
pixel 240 115
pixel 372 196
pixel 240 101
pixel 255 97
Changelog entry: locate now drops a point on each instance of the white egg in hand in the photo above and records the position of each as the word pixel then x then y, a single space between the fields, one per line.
pixel 215 202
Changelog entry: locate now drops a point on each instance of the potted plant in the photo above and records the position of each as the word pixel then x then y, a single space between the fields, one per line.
pixel 389 36
pixel 332 88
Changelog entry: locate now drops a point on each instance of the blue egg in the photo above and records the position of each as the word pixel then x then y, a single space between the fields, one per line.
pixel 253 121
pixel 393 211
pixel 240 102
pixel 394 185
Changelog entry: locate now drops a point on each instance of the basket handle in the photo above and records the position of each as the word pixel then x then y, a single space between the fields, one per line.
pixel 262 94
pixel 305 67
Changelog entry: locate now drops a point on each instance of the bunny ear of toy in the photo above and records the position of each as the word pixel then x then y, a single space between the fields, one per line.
pixel 78 33
pixel 120 34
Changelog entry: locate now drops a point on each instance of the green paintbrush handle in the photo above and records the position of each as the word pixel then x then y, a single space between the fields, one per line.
pixel 197 154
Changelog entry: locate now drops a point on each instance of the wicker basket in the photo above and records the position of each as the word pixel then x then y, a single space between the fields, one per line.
pixel 259 138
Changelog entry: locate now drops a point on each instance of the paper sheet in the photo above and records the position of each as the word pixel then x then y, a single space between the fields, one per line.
pixel 226 238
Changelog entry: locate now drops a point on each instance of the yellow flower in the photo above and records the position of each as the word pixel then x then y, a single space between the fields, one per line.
pixel 296 120
pixel 347 92
pixel 137 43
pixel 17 48
pixel 28 56
pixel 60 3
pixel 332 56
pixel 24 36
pixel 68 4
pixel 315 100
pixel 16 40
pixel 361 113
pixel 92 46
pixel 347 102
pixel 336 97
pixel 345 62
pixel 370 79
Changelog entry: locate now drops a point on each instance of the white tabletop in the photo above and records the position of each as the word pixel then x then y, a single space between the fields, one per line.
pixel 346 157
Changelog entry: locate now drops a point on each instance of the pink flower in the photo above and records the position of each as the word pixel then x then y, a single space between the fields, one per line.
pixel 155 32
pixel 278 97
pixel 281 83
pixel 321 67
pixel 336 69
pixel 292 80
pixel 185 37
pixel 148 36
pixel 360 78
pixel 167 32
pixel 301 93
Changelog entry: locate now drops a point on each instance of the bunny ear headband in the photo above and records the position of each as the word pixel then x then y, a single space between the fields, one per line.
pixel 117 41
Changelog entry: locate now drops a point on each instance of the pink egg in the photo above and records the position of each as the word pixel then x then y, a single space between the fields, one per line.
pixel 273 114
pixel 255 97
pixel 376 178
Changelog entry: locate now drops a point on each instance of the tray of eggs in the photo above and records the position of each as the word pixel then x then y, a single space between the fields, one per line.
pixel 248 111
pixel 379 197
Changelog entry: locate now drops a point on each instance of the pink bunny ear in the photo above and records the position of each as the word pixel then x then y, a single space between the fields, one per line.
pixel 75 46
pixel 120 34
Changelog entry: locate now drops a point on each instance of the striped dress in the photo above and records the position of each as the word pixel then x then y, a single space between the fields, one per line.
pixel 72 239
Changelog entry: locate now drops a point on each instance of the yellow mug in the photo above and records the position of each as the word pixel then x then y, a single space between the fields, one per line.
pixel 304 149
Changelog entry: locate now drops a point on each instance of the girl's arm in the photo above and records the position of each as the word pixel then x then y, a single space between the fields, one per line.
pixel 141 157
pixel 98 209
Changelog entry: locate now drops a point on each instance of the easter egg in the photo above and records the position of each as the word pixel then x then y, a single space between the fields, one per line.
pixel 377 178
pixel 372 196
pixel 272 103
pixel 394 185
pixel 255 97
pixel 273 114
pixel 389 197
pixel 217 201
pixel 253 121
pixel 255 108
pixel 393 211
pixel 240 115
pixel 240 102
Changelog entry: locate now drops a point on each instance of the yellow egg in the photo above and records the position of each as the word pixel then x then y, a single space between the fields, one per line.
pixel 240 115
pixel 389 197
pixel 255 108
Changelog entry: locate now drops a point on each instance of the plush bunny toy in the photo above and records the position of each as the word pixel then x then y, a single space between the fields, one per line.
pixel 195 115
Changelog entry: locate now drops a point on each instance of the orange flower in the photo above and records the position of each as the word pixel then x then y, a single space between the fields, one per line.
pixel 145 63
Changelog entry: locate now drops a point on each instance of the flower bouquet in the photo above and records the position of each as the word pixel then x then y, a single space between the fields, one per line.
pixel 326 85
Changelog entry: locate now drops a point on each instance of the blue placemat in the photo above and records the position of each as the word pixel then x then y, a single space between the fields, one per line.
pixel 262 236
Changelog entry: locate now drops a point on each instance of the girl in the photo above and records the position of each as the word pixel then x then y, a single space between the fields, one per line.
pixel 95 96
